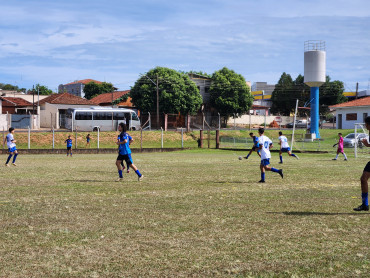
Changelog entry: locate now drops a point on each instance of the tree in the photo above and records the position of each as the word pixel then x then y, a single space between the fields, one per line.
pixel 288 91
pixel 229 93
pixel 42 90
pixel 93 89
pixel 9 87
pixel 177 93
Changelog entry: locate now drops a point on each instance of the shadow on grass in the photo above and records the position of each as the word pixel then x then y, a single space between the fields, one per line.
pixel 310 213
pixel 226 182
pixel 88 181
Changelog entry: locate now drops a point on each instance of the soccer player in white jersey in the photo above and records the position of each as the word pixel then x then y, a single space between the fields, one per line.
pixel 284 147
pixel 12 149
pixel 265 146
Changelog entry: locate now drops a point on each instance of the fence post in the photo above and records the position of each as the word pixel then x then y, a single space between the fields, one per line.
pixel 150 122
pixel 76 139
pixel 219 121
pixel 201 138
pixel 209 138
pixel 217 139
pixel 234 122
pixel 98 137
pixel 29 137
pixel 141 140
pixel 53 138
pixel 182 138
pixel 3 136
pixel 161 137
pixel 165 122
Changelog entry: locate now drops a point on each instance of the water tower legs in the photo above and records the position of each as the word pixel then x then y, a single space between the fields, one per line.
pixel 315 111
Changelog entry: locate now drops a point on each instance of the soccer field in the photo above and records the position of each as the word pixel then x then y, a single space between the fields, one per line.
pixel 196 213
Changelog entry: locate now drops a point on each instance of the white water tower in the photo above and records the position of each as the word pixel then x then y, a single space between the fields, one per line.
pixel 314 76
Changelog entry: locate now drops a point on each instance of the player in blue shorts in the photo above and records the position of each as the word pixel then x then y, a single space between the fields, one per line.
pixel 284 147
pixel 365 175
pixel 12 149
pixel 69 145
pixel 125 153
pixel 265 146
pixel 88 139
pixel 256 146
pixel 130 140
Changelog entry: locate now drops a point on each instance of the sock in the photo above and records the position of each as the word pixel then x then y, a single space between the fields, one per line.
pixel 120 174
pixel 9 157
pixel 365 198
pixel 248 155
pixel 275 170
pixel 15 157
pixel 263 176
pixel 294 155
pixel 345 157
pixel 138 173
pixel 281 158
pixel 336 157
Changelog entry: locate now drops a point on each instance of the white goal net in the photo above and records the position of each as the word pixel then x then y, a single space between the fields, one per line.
pixel 361 133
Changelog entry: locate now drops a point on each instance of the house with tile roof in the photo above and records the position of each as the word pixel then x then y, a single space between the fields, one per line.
pixel 351 112
pixel 15 105
pixel 53 109
pixel 76 88
pixel 109 98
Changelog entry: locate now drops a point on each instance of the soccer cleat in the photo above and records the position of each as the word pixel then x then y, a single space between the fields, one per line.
pixel 281 173
pixel 362 207
pixel 140 178
pixel 334 159
pixel 296 156
pixel 119 179
pixel 128 171
pixel 261 181
pixel 6 165
pixel 246 157
pixel 280 162
pixel 346 159
pixel 14 164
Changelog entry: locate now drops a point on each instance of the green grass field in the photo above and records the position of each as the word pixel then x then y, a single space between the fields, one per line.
pixel 196 213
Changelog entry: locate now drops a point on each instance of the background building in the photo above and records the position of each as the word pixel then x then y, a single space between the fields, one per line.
pixel 75 88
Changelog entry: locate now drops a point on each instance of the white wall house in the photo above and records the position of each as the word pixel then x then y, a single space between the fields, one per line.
pixel 351 112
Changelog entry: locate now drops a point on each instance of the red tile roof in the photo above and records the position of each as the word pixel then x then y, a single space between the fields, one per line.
pixel 66 98
pixel 16 101
pixel 357 102
pixel 84 81
pixel 107 98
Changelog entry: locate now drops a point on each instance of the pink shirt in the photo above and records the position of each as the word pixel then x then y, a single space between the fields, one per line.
pixel 340 143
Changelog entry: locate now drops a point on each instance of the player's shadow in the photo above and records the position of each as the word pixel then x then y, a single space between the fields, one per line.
pixel 312 213
pixel 92 171
pixel 87 181
pixel 225 182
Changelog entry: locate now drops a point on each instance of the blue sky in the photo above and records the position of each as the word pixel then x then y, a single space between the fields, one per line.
pixel 57 42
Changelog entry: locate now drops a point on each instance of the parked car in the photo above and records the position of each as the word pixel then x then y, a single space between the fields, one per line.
pixel 349 140
pixel 298 124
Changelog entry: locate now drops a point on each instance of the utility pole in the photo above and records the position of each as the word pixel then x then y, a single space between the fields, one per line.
pixel 157 103
pixel 356 90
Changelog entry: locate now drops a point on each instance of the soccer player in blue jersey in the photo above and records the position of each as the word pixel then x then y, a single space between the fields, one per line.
pixel 12 149
pixel 365 175
pixel 284 147
pixel 256 146
pixel 69 145
pixel 125 153
pixel 130 140
pixel 88 139
pixel 265 146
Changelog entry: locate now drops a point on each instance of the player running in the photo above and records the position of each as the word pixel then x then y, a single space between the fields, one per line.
pixel 365 175
pixel 12 149
pixel 69 145
pixel 125 153
pixel 130 140
pixel 265 146
pixel 88 139
pixel 255 147
pixel 340 147
pixel 284 147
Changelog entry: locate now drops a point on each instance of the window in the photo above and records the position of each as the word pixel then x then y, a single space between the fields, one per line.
pixel 351 117
pixel 83 116
pixel 364 116
pixel 134 117
pixel 119 116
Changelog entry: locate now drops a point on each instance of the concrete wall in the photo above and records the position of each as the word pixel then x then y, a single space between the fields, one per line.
pixel 4 122
pixel 359 110
pixel 259 120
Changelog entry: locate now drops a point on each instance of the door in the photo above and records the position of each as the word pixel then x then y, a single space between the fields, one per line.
pixel 340 121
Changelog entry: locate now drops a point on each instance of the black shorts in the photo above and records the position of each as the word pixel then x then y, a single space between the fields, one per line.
pixel 69 148
pixel 367 167
pixel 125 157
